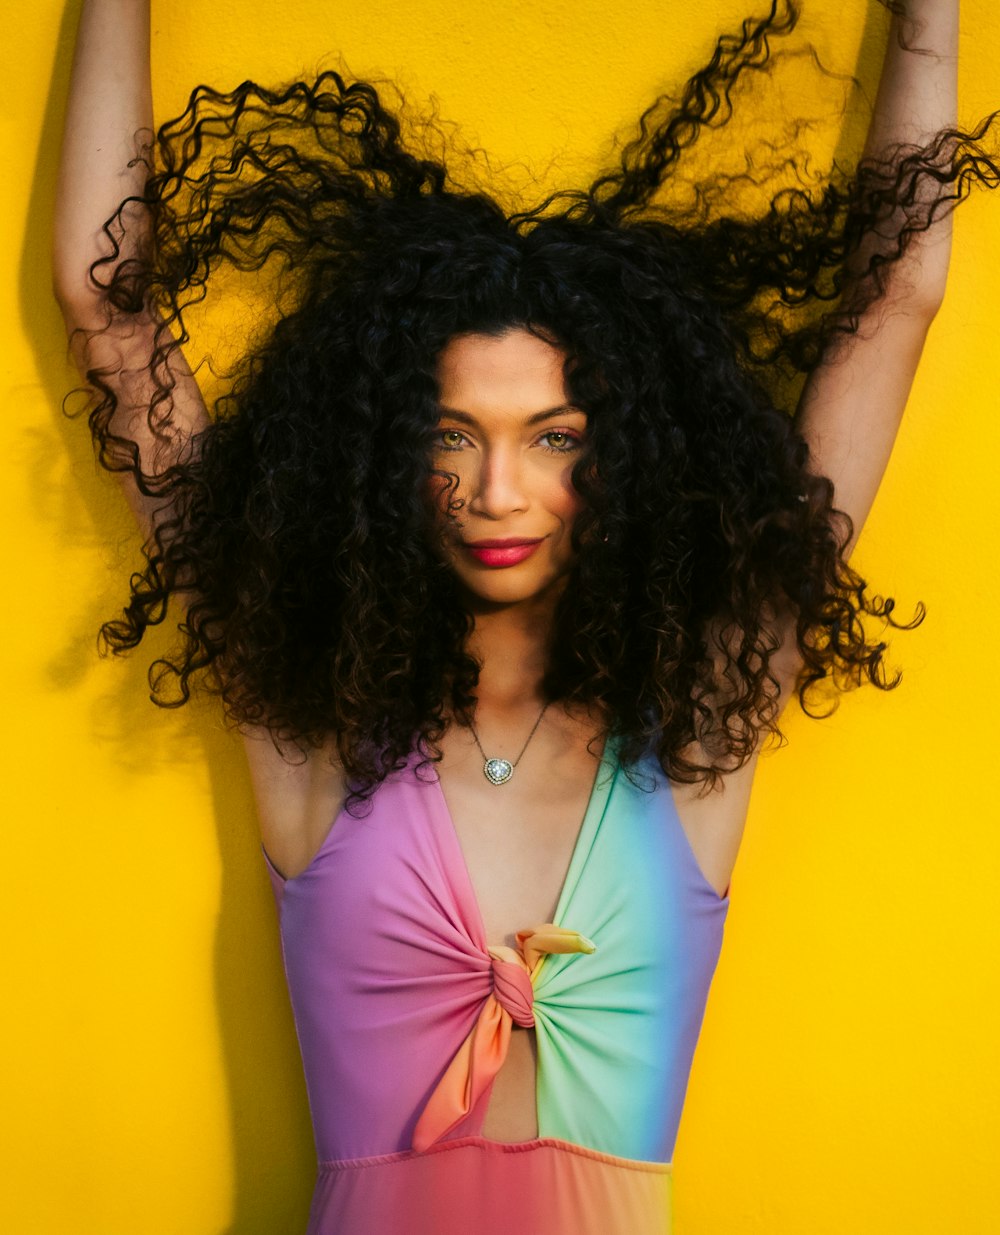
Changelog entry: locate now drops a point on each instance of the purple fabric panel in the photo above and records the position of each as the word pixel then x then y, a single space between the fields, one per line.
pixel 387 968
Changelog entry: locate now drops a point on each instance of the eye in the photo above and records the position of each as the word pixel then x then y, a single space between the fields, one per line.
pixel 559 442
pixel 449 439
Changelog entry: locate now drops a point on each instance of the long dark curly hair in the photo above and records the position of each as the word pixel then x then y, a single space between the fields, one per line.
pixel 296 528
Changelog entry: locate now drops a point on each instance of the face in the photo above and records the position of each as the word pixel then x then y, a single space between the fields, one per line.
pixel 507 432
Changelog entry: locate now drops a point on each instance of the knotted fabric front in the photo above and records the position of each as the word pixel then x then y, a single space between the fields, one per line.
pixel 481 1055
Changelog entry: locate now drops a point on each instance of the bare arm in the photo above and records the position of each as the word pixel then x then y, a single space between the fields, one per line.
pixel 853 402
pixel 109 104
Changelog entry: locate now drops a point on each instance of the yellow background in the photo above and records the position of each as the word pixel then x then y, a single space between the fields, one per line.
pixel 846 1080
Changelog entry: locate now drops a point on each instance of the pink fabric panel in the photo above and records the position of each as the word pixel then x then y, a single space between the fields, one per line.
pixel 474 1186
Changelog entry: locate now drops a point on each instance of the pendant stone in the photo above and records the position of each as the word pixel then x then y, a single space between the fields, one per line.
pixel 498 771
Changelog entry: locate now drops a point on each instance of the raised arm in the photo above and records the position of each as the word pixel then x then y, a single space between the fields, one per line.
pixel 852 403
pixel 108 116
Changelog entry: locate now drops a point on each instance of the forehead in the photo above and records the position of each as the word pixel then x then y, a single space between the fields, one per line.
pixel 515 371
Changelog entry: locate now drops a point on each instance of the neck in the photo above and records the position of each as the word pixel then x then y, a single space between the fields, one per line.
pixel 512 645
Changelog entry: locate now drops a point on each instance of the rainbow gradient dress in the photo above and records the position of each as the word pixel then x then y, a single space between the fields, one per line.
pixel 404 1012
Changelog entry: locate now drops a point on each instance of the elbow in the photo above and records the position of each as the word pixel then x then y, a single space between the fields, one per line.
pixel 67 301
pixel 926 300
pixel 69 281
pixel 82 307
pixel 69 291
pixel 924 280
pixel 82 301
pixel 918 303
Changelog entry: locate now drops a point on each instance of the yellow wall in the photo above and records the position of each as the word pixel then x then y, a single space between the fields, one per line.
pixel 846 1080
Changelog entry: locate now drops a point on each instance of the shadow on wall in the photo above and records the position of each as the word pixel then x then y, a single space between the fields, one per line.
pixel 272 1148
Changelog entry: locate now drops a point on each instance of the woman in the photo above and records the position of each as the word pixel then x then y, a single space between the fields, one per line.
pixel 511 538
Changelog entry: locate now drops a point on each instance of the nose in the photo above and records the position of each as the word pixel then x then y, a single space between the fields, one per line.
pixel 498 488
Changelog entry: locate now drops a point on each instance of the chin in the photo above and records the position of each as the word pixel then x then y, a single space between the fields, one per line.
pixel 503 588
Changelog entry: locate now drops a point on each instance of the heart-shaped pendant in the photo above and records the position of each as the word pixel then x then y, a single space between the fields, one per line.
pixel 498 771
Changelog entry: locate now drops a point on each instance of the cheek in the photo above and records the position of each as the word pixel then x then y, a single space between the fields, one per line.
pixel 567 501
pixel 441 493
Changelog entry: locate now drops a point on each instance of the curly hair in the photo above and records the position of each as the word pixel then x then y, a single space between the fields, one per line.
pixel 297 526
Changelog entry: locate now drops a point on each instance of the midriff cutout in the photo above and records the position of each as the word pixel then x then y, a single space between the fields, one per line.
pixel 512 1112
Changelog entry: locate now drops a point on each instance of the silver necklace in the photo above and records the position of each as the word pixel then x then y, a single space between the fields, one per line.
pixel 499 771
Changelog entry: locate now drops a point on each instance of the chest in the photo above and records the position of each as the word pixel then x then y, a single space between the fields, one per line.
pixel 518 838
pixel 388 963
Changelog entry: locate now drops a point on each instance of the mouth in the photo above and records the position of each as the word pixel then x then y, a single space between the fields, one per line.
pixel 502 552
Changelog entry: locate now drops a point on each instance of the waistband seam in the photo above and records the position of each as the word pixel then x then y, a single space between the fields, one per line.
pixel 496 1147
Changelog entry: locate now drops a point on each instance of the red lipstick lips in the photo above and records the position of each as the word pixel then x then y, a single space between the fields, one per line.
pixel 506 552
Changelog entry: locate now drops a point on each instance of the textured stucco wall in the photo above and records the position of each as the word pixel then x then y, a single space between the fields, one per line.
pixel 846 1080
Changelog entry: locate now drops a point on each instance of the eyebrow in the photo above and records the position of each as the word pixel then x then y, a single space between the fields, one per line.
pixel 534 418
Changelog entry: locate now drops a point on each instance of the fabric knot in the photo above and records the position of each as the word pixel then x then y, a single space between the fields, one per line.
pixel 511 1000
pixel 512 985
